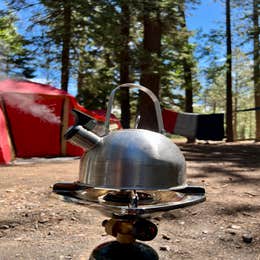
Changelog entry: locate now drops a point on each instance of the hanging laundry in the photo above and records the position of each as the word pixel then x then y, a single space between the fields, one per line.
pixel 210 127
pixel 192 125
pixel 186 125
pixel 169 119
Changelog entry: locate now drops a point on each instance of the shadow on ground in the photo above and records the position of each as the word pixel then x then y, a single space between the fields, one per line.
pixel 234 210
pixel 236 161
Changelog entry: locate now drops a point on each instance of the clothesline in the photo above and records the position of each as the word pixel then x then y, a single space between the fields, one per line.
pixel 193 125
pixel 247 109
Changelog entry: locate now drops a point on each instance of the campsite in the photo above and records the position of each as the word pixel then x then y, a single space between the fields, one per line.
pixel 129 130
pixel 35 224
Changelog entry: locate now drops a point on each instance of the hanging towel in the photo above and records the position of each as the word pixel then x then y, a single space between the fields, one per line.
pixel 186 125
pixel 169 119
pixel 210 127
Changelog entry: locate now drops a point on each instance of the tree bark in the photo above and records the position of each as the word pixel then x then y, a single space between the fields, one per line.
pixel 187 68
pixel 256 76
pixel 80 79
pixel 188 88
pixel 235 133
pixel 150 76
pixel 124 66
pixel 229 113
pixel 66 38
pixel 188 92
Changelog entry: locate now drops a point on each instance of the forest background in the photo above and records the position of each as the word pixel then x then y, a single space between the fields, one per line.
pixel 96 45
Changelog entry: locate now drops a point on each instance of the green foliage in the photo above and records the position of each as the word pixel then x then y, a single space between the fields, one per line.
pixel 96 42
pixel 15 58
pixel 213 97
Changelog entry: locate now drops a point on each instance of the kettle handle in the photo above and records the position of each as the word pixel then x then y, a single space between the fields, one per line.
pixel 144 89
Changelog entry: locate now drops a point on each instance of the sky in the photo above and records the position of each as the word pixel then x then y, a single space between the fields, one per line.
pixel 204 17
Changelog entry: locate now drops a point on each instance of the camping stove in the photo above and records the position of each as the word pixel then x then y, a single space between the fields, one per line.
pixel 129 175
pixel 129 213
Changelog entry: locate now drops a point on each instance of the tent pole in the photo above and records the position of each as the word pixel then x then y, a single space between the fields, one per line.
pixel 10 141
pixel 64 125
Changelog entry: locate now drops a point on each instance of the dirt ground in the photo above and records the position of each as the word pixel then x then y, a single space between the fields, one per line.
pixel 35 224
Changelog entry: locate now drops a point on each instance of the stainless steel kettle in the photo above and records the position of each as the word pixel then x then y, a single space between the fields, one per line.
pixel 134 159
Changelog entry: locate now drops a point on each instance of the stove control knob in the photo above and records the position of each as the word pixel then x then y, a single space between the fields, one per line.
pixel 144 230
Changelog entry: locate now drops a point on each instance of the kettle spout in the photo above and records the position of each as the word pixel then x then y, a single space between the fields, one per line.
pixel 79 136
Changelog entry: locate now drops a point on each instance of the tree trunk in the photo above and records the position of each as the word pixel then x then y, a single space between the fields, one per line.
pixel 124 65
pixel 229 113
pixel 235 133
pixel 188 88
pixel 187 68
pixel 80 79
pixel 188 92
pixel 150 77
pixel 66 37
pixel 256 68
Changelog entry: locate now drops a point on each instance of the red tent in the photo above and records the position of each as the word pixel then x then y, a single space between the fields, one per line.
pixel 34 118
pixel 5 144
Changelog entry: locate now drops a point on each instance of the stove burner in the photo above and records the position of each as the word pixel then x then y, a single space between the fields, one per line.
pixel 125 197
pixel 130 202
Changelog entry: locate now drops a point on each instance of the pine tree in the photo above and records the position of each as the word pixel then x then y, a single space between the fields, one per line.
pixel 229 107
pixel 256 76
pixel 124 63
pixel 15 57
pixel 150 76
